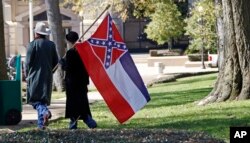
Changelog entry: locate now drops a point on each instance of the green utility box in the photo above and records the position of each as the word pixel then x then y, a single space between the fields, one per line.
pixel 10 98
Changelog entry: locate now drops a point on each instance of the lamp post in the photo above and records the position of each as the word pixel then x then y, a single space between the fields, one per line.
pixel 200 9
pixel 31 20
pixel 82 24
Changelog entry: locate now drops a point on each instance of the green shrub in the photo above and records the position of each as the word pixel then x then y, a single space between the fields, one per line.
pixel 197 57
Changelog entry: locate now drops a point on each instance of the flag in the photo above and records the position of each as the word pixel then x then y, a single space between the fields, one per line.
pixel 113 71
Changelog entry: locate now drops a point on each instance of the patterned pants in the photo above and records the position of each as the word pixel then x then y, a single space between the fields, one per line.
pixel 41 110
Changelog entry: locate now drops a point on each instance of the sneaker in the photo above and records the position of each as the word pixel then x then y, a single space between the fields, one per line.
pixel 91 123
pixel 73 125
pixel 46 118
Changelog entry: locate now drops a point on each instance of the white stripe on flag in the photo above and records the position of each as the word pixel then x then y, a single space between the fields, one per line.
pixel 126 86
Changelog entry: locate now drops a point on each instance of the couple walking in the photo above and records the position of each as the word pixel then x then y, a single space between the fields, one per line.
pixel 41 58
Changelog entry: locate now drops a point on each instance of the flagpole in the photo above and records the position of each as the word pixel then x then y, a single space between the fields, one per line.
pixel 107 7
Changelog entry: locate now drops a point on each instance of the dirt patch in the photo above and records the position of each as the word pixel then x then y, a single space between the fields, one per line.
pixel 107 135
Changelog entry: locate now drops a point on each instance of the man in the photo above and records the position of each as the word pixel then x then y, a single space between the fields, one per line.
pixel 76 80
pixel 41 58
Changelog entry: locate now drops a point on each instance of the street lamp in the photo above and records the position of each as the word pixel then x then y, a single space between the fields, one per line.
pixel 200 9
pixel 31 20
pixel 81 14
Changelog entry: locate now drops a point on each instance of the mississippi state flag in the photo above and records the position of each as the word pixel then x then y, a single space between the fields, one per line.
pixel 113 71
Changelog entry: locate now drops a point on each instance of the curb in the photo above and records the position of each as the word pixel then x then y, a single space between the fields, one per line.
pixel 164 78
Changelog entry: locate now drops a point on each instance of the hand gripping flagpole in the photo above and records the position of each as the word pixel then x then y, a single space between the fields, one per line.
pixel 107 7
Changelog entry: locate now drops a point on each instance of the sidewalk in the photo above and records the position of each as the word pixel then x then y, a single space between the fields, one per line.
pixel 57 108
pixel 29 115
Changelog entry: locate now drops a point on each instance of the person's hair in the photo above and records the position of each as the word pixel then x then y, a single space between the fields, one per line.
pixel 40 35
pixel 72 37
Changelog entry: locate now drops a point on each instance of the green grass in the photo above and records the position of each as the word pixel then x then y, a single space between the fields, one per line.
pixel 58 95
pixel 173 106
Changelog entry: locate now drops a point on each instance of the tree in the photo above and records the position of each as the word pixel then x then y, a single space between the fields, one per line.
pixel 55 23
pixel 3 67
pixel 166 22
pixel 94 6
pixel 169 24
pixel 166 19
pixel 219 30
pixel 201 27
pixel 233 82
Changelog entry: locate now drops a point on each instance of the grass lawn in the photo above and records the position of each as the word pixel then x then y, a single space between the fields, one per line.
pixel 58 95
pixel 173 106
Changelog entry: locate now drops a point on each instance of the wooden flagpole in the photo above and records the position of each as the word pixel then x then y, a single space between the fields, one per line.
pixel 107 7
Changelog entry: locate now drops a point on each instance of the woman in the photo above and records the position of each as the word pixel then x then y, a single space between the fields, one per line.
pixel 77 80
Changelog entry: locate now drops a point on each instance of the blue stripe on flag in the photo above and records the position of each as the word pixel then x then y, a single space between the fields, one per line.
pixel 129 66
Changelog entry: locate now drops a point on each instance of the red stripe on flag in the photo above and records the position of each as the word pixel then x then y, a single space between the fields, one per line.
pixel 116 103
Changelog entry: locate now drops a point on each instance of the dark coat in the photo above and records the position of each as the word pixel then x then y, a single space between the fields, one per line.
pixel 77 80
pixel 41 58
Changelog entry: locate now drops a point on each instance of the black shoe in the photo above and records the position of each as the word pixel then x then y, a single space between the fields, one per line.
pixel 73 125
pixel 91 123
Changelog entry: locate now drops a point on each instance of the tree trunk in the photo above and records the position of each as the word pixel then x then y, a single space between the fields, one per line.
pixel 3 66
pixel 55 23
pixel 233 82
pixel 170 44
pixel 220 33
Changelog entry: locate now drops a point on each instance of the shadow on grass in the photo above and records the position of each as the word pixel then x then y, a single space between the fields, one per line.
pixel 195 79
pixel 210 121
pixel 177 97
pixel 220 126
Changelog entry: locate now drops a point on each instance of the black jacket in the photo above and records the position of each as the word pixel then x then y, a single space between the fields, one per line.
pixel 41 58
pixel 77 80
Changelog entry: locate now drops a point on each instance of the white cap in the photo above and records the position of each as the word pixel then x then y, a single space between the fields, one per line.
pixel 42 29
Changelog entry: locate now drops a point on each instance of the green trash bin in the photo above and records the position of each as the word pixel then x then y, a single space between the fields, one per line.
pixel 11 98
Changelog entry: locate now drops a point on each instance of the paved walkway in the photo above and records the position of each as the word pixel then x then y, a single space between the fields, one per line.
pixel 57 107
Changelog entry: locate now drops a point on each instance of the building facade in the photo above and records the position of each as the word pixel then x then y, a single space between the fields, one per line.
pixel 17 28
pixel 16 17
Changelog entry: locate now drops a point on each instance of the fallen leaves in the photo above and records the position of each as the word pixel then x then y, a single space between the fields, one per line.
pixel 108 135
